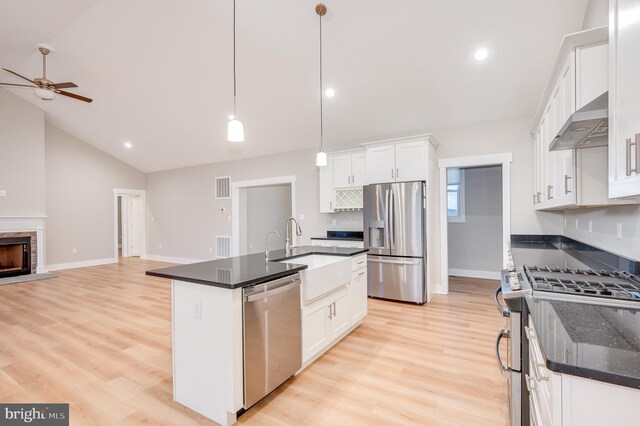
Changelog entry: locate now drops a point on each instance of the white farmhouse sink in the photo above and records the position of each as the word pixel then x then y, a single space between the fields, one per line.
pixel 324 273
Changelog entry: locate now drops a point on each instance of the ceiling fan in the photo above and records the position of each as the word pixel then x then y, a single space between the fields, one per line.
pixel 46 89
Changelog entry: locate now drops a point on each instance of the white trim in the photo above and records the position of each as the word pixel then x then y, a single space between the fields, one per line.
pixel 171 259
pixel 504 160
pixel 118 192
pixel 29 224
pixel 472 273
pixel 235 204
pixel 82 264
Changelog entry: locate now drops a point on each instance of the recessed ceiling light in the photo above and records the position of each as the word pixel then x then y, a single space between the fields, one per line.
pixel 128 145
pixel 330 93
pixel 481 54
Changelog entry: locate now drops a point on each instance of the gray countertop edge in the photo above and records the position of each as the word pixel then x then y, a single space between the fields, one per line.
pixel 265 278
pixel 601 376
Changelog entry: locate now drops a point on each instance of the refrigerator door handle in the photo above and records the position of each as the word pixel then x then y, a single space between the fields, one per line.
pixel 387 219
pixel 392 230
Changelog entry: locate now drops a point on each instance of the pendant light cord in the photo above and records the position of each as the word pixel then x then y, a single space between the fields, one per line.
pixel 234 59
pixel 321 89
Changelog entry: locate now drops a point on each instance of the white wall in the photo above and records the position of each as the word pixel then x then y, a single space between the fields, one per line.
pixel 596 14
pixel 604 228
pixel 21 157
pixel 184 217
pixel 80 180
pixel 475 245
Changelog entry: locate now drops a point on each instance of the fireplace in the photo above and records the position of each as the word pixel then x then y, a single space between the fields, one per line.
pixel 15 256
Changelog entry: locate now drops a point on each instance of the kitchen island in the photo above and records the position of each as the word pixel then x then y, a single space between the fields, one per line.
pixel 209 357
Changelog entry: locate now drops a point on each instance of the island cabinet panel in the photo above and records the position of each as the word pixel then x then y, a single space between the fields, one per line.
pixel 315 329
pixel 358 294
pixel 207 349
pixel 341 314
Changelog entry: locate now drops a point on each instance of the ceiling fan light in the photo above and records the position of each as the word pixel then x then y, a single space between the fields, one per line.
pixel 235 131
pixel 321 159
pixel 44 94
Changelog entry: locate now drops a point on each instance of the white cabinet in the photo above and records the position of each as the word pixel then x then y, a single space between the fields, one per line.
pixel 565 400
pixel 381 164
pixel 324 321
pixel 624 99
pixel 327 192
pixel 344 244
pixel 358 294
pixel 349 170
pixel 572 177
pixel 400 160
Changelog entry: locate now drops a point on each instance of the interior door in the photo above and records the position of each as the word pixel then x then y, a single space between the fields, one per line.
pixel 406 219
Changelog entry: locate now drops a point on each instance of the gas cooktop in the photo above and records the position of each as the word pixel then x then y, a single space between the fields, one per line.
pixel 611 285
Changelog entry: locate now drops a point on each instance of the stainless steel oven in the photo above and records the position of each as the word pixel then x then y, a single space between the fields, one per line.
pixel 512 365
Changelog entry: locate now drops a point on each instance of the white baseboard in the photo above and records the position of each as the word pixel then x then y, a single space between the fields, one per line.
pixel 470 273
pixel 81 264
pixel 170 259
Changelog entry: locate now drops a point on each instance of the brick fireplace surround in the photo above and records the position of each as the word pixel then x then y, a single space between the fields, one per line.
pixel 32 227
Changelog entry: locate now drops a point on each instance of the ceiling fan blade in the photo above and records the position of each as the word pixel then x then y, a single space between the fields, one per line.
pixel 20 76
pixel 66 85
pixel 74 96
pixel 17 85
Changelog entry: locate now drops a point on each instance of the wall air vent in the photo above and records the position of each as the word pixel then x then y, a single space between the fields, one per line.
pixel 223 188
pixel 223 246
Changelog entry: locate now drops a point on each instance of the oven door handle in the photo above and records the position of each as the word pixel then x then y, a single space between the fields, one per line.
pixel 504 333
pixel 502 309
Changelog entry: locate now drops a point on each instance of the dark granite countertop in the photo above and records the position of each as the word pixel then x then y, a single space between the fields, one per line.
pixel 595 341
pixel 587 340
pixel 243 271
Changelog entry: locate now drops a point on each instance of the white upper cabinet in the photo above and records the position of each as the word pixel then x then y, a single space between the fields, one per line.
pixel 327 192
pixel 381 164
pixel 573 177
pixel 624 98
pixel 398 161
pixel 349 170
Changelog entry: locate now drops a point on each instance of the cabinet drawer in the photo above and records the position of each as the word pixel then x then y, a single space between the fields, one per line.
pixel 359 262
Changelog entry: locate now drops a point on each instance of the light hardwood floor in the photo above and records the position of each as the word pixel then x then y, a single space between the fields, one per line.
pixel 99 338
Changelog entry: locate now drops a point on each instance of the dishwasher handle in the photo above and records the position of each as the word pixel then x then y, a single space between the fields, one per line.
pixel 257 295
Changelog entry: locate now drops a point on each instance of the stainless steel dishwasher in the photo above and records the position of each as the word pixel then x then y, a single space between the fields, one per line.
pixel 272 336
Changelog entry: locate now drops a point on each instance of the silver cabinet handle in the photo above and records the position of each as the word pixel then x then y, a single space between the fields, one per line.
pixel 535 198
pixel 330 205
pixel 549 188
pixel 361 273
pixel 397 173
pixel 330 316
pixel 539 194
pixel 566 185
pixel 636 144
pixel 334 308
pixel 628 156
pixel 392 176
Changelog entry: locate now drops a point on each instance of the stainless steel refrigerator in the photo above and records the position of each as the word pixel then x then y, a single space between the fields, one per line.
pixel 394 233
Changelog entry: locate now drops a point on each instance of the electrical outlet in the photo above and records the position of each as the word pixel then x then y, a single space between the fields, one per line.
pixel 229 218
pixel 591 227
pixel 197 310
pixel 302 217
pixel 153 218
pixel 565 222
pixel 250 245
pixel 619 231
pixel 334 222
pixel 3 192
pixel 577 223
pixel 160 245
pixel 74 250
pixel 210 249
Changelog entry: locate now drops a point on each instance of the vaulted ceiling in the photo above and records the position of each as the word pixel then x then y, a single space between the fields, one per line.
pixel 160 71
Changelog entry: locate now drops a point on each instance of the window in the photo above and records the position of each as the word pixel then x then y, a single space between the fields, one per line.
pixel 455 194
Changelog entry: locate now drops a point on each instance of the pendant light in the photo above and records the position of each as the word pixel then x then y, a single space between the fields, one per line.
pixel 321 156
pixel 235 129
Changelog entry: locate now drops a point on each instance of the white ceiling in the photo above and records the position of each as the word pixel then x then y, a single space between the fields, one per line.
pixel 161 72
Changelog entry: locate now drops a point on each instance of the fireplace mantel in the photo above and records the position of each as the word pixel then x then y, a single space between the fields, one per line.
pixel 28 224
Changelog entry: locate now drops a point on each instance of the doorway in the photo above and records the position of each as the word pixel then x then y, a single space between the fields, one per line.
pixel 129 223
pixel 503 161
pixel 258 207
pixel 474 221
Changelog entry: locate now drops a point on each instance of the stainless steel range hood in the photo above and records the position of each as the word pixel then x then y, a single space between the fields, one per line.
pixel 588 127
